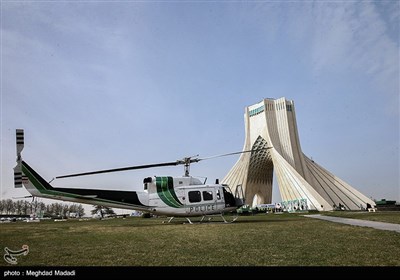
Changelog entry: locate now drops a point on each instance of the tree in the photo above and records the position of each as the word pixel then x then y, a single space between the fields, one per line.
pixel 77 210
pixel 109 211
pixel 99 209
pixel 57 209
pixel 35 206
pixel 9 206
pixel 25 207
pixel 42 208
pixel 18 206
pixel 81 211
pixel 65 210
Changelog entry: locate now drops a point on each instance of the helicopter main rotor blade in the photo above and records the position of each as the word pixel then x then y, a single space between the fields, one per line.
pixel 186 161
pixel 121 169
pixel 235 153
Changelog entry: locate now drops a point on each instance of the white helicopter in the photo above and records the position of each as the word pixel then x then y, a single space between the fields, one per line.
pixel 184 196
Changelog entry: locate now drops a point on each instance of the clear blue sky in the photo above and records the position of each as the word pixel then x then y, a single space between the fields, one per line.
pixel 100 84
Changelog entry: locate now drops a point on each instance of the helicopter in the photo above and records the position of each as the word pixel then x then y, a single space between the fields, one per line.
pixel 185 196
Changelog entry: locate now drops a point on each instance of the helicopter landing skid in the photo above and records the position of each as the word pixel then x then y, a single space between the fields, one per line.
pixel 206 218
pixel 201 220
pixel 226 221
pixel 233 218
pixel 168 220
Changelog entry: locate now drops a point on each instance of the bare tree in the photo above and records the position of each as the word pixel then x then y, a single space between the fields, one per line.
pixel 9 206
pixel 35 206
pixel 18 206
pixel 25 207
pixel 81 210
pixel 57 209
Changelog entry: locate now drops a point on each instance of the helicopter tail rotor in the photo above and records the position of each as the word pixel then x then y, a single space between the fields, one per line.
pixel 18 168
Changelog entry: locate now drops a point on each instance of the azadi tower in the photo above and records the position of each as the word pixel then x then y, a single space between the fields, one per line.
pixel 271 132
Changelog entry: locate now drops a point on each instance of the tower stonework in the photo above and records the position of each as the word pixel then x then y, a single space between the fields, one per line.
pixel 303 184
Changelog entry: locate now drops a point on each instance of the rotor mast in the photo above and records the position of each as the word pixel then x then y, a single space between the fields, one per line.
pixel 186 164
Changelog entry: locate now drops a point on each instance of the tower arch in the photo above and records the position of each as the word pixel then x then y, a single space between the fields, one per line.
pixel 257 199
pixel 271 124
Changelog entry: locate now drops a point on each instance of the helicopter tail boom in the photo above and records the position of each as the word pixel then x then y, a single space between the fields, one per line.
pixel 25 175
pixel 38 187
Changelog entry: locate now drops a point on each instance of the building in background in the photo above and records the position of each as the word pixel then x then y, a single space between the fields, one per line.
pixel 272 135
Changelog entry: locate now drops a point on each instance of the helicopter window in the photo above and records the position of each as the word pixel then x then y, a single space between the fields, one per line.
pixel 207 195
pixel 194 196
pixel 226 189
pixel 147 180
pixel 218 194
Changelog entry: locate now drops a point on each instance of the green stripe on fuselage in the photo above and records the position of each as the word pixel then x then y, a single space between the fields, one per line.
pixel 165 190
pixel 172 191
pixel 168 186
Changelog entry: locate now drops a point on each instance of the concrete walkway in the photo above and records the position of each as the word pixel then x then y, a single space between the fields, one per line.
pixel 357 222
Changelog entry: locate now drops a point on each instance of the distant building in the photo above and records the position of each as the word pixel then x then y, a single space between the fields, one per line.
pixel 303 184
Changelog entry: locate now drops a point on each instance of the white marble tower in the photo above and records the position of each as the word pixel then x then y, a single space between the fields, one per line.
pixel 303 184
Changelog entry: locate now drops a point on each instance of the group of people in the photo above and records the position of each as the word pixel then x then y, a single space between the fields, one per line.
pixel 340 207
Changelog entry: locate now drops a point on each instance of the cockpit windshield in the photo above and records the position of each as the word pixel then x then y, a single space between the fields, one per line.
pixel 226 188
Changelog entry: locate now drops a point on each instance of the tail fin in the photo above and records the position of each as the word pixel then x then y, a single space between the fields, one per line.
pixel 18 169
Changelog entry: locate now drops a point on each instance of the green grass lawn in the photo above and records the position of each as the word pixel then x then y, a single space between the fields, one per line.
pixel 259 240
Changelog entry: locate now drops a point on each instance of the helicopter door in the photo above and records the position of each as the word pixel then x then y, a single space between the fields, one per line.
pixel 201 201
